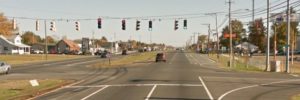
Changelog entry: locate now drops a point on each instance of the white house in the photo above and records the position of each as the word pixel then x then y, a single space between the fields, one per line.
pixel 13 45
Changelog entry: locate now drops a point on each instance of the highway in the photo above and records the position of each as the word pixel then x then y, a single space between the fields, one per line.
pixel 185 76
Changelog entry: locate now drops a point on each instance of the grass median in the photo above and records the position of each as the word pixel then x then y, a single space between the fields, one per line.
pixel 296 97
pixel 239 65
pixel 22 59
pixel 127 60
pixel 21 89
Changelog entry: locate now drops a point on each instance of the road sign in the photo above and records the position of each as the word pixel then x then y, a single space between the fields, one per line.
pixel 281 17
pixel 226 35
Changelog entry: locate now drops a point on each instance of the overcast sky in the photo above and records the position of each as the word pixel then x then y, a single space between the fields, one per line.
pixel 116 10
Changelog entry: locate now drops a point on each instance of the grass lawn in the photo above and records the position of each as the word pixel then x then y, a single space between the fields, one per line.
pixel 238 65
pixel 21 59
pixel 296 97
pixel 21 89
pixel 129 59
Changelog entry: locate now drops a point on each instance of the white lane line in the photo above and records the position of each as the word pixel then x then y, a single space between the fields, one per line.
pixel 206 89
pixel 94 93
pixel 55 90
pixel 81 62
pixel 124 85
pixel 251 86
pixel 151 92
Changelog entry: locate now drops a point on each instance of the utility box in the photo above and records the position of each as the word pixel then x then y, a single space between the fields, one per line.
pixel 275 66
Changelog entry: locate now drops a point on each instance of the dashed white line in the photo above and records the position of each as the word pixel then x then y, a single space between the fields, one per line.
pixel 151 92
pixel 206 89
pixel 94 93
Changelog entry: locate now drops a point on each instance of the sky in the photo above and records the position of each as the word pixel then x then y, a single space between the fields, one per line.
pixel 113 11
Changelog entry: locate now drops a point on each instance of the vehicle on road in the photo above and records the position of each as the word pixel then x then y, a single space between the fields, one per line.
pixel 105 54
pixel 124 52
pixel 160 57
pixel 4 67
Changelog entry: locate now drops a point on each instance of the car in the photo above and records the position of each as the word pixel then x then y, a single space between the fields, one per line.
pixel 160 57
pixel 124 52
pixel 105 54
pixel 4 67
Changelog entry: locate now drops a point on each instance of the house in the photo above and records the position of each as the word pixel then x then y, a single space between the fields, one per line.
pixel 13 45
pixel 67 47
pixel 41 48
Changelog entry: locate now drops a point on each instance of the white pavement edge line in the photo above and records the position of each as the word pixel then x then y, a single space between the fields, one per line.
pixel 94 93
pixel 206 89
pixel 251 86
pixel 55 90
pixel 151 92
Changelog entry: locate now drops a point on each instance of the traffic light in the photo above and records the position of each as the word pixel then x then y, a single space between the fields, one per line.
pixel 185 24
pixel 176 25
pixel 37 25
pixel 138 25
pixel 77 25
pixel 99 23
pixel 123 24
pixel 52 26
pixel 150 25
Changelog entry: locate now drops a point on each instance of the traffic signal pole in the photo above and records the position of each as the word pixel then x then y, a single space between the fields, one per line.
pixel 46 42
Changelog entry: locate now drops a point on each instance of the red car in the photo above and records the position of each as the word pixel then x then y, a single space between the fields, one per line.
pixel 160 57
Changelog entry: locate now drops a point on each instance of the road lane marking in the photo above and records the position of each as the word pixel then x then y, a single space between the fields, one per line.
pixel 151 92
pixel 251 86
pixel 55 90
pixel 81 62
pixel 206 89
pixel 94 93
pixel 124 85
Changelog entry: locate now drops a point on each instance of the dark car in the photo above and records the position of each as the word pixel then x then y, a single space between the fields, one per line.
pixel 160 57
pixel 124 52
pixel 105 54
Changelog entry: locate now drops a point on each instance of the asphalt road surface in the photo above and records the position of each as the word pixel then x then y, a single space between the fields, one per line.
pixel 185 76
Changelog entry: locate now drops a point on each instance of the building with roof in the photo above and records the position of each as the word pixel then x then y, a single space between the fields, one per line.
pixel 13 45
pixel 67 47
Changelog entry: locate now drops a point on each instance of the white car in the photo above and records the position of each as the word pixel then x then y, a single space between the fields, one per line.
pixel 4 67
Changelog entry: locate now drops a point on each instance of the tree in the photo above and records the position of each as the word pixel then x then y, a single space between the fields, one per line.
pixel 257 34
pixel 202 38
pixel 6 26
pixel 49 39
pixel 102 41
pixel 237 28
pixel 30 38
pixel 281 32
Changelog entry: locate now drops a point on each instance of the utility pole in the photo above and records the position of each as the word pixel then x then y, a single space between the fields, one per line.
pixel 46 42
pixel 268 37
pixel 208 37
pixel 287 65
pixel 93 43
pixel 230 35
pixel 217 36
pixel 253 2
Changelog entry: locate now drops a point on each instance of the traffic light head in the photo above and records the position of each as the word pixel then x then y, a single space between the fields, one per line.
pixel 99 23
pixel 123 24
pixel 77 25
pixel 52 26
pixel 37 25
pixel 150 24
pixel 138 25
pixel 176 25
pixel 185 24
